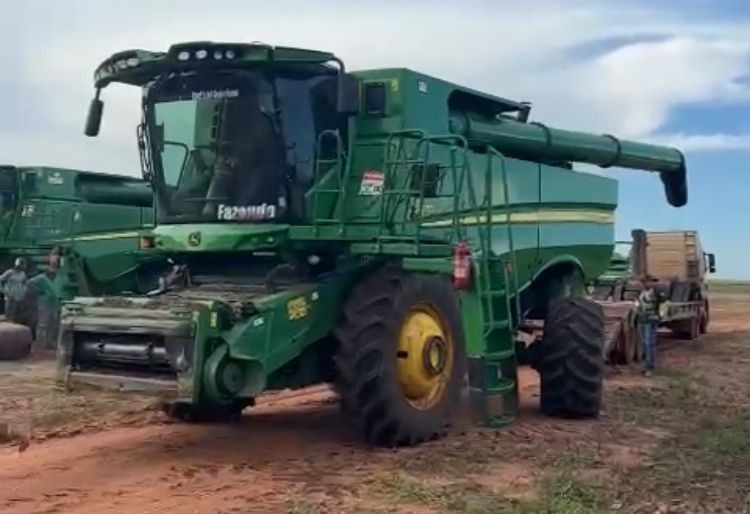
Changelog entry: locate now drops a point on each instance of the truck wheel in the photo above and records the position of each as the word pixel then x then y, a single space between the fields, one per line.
pixel 400 362
pixel 705 318
pixel 572 364
pixel 687 330
pixel 15 341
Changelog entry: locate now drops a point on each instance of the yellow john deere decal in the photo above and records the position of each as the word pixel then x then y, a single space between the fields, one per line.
pixel 297 308
pixel 544 216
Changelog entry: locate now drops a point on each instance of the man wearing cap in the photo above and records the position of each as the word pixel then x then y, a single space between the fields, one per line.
pixel 14 283
pixel 648 324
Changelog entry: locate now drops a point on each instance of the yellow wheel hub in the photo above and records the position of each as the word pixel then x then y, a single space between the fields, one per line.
pixel 424 358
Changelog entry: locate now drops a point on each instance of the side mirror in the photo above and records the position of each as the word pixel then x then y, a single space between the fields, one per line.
pixel 711 263
pixel 94 118
pixel 347 101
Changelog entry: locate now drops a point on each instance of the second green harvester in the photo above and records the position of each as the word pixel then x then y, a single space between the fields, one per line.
pixel 381 230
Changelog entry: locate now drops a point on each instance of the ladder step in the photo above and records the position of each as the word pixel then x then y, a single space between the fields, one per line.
pixel 506 387
pixel 500 355
pixel 496 293
pixel 501 421
pixel 495 325
pixel 405 161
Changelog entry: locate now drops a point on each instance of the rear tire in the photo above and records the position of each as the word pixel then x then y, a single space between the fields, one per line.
pixel 572 365
pixel 688 330
pixel 705 318
pixel 15 341
pixel 370 360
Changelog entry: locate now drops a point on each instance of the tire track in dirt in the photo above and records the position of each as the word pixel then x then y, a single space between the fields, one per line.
pixel 187 468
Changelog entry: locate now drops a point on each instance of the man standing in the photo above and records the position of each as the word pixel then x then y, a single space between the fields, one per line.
pixel 14 283
pixel 648 323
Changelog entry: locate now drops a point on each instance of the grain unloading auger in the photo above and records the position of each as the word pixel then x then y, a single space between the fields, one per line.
pixel 382 230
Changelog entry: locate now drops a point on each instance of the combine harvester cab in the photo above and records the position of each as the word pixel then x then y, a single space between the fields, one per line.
pixel 384 231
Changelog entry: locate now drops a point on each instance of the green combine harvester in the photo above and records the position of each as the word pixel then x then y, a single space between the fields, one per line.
pixel 383 230
pixel 43 207
pixel 90 222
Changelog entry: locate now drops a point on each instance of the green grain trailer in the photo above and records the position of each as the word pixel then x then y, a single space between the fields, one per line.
pixel 382 230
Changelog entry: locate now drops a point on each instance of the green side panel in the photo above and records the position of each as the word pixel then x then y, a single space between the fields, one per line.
pixel 285 324
pixel 471 317
pixel 588 243
pixel 216 237
pixel 105 265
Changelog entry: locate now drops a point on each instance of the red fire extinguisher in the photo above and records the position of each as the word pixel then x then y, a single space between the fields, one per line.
pixel 462 266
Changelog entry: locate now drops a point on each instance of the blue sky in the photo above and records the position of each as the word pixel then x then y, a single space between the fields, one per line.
pixel 667 71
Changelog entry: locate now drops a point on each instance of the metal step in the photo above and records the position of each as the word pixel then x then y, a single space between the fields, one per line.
pixel 499 355
pixel 497 325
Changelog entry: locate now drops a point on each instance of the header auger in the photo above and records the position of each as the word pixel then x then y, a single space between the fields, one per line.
pixel 381 230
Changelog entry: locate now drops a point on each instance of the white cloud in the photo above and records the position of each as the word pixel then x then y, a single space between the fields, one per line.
pixel 643 81
pixel 492 46
pixel 705 142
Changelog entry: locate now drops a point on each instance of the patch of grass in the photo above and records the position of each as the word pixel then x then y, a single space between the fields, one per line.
pixel 706 459
pixel 301 506
pixel 565 493
pixel 465 496
pixel 452 459
pixel 562 493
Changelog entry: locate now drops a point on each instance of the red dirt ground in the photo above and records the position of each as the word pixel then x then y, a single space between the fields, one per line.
pixel 291 453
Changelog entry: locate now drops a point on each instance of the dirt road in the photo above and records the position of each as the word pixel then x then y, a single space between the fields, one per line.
pixel 292 453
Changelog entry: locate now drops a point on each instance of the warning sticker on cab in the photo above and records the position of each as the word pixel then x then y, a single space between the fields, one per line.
pixel 372 183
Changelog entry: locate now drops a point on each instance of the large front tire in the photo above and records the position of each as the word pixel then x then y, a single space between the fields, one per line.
pixel 400 362
pixel 572 364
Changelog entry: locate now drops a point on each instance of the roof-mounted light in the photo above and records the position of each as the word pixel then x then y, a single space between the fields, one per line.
pixel 218 55
pixel 229 54
pixel 183 56
pixel 201 54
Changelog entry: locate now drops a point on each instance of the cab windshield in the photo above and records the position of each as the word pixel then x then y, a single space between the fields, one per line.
pixel 235 146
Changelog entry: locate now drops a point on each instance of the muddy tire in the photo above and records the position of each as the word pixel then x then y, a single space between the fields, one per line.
pixel 384 361
pixel 705 318
pixel 572 365
pixel 687 330
pixel 15 341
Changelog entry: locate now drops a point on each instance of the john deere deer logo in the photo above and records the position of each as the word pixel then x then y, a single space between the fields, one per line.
pixel 194 239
